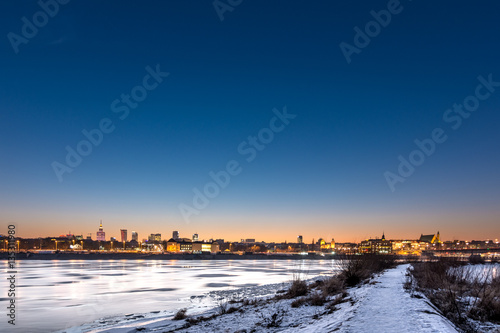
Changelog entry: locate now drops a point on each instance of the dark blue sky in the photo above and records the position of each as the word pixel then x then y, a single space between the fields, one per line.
pixel 322 176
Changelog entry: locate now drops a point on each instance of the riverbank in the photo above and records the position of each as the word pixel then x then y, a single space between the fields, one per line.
pixel 57 294
pixel 162 256
pixel 381 304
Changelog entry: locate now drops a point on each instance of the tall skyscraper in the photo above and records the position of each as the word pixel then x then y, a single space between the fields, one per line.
pixel 154 238
pixel 123 233
pixel 101 235
pixel 299 239
pixel 175 235
pixel 135 236
pixel 195 237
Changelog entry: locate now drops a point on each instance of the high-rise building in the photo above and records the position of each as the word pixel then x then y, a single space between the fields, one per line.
pixel 195 237
pixel 135 236
pixel 101 235
pixel 154 238
pixel 299 239
pixel 123 233
pixel 175 235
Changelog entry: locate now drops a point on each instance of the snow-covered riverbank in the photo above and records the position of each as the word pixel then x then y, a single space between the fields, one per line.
pixel 381 305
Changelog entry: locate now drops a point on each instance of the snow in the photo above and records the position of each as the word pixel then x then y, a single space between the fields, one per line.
pixel 386 307
pixel 382 305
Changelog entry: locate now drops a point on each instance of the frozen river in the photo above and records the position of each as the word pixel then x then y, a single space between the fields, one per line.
pixel 53 295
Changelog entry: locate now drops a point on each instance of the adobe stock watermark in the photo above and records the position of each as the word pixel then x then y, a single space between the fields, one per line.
pixel 122 107
pixel 454 117
pixel 29 28
pixel 11 275
pixel 248 149
pixel 222 6
pixel 372 29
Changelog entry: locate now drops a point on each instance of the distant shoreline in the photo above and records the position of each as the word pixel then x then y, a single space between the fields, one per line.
pixel 172 256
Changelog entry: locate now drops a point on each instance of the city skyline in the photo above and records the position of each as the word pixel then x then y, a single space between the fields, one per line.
pixel 168 118
pixel 179 234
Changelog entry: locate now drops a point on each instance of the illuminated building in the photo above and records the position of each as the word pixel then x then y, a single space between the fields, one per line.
pixel 123 233
pixel 432 239
pixel 299 239
pixel 135 236
pixel 154 238
pixel 428 242
pixel 200 247
pixel 376 246
pixel 323 245
pixel 186 246
pixel 405 247
pixel 173 245
pixel 101 235
pixel 192 247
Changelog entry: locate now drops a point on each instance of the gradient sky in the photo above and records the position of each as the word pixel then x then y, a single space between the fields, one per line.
pixel 323 176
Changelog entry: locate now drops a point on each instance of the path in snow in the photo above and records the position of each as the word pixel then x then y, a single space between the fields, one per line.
pixel 381 305
pixel 386 307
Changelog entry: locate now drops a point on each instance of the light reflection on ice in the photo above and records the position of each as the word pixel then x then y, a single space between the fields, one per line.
pixel 56 294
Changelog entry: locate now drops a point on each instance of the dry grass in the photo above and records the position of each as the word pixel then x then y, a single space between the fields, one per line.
pixel 299 302
pixel 317 299
pixel 297 289
pixel 333 285
pixel 356 269
pixel 180 315
pixel 275 319
pixel 461 292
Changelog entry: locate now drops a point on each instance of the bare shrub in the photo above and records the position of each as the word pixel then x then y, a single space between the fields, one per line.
pixel 232 309
pixel 332 306
pixel 248 301
pixel 333 285
pixel 461 292
pixel 298 302
pixel 316 284
pixel 357 269
pixel 317 299
pixel 409 284
pixel 476 259
pixel 275 319
pixel 298 288
pixel 180 315
pixel 222 307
